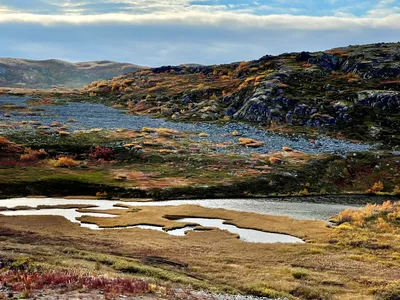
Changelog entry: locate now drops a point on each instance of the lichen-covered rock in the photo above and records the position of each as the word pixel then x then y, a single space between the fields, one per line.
pixel 261 106
pixel 385 100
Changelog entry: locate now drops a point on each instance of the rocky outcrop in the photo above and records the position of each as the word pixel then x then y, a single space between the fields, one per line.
pixel 353 91
pixel 263 105
pixel 384 100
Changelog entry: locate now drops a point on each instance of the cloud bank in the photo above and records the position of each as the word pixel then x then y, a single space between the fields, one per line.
pixel 161 32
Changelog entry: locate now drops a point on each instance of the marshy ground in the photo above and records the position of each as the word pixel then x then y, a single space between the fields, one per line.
pixel 356 260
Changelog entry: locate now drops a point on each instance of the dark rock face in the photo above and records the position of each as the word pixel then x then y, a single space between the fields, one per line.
pixel 329 61
pixel 384 100
pixel 254 110
pixel 165 69
pixel 380 62
pixel 377 63
pixel 303 56
pixel 257 108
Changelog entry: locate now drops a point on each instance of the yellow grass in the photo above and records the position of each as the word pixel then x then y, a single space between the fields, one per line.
pixel 217 259
pixel 166 216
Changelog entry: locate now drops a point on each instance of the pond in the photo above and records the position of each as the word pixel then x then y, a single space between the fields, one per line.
pixel 310 208
pixel 293 207
pixel 91 116
pixel 246 235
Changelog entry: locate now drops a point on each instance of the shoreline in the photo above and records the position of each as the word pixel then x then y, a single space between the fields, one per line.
pixel 285 198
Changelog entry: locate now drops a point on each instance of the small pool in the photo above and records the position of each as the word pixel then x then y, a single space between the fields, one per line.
pixel 246 235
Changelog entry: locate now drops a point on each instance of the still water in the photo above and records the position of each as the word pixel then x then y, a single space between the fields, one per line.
pixel 297 210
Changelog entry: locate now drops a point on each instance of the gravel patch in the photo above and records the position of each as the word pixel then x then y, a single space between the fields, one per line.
pixel 91 116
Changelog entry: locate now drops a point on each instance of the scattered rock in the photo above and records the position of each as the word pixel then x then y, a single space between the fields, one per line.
pixel 287 149
pixel 203 135
pixel 236 133
pixel 250 143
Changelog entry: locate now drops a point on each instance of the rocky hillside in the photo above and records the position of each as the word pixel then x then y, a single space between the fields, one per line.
pixel 46 74
pixel 352 92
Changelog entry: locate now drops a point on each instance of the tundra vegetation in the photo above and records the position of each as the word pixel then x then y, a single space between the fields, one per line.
pixel 349 93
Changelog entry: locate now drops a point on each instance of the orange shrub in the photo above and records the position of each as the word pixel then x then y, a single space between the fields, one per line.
pixel 383 226
pixel 345 216
pixel 243 64
pixel 351 77
pixel 338 52
pixel 4 141
pixel 382 218
pixel 304 192
pixel 31 155
pixel 275 160
pixel 396 190
pixel 64 162
pixel 377 187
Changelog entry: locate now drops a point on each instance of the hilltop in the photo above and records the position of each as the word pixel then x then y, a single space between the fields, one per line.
pixel 45 74
pixel 351 92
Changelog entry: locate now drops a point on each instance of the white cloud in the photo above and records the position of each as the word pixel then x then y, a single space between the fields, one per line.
pixel 156 32
pixel 383 8
pixel 383 12
pixel 217 18
pixel 4 9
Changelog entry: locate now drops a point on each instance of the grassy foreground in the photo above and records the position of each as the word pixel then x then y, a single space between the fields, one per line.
pixel 357 259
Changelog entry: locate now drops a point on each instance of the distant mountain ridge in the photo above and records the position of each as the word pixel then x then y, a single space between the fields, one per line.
pixel 45 74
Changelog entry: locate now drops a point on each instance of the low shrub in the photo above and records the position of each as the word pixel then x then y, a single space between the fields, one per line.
pixel 101 153
pixel 376 187
pixel 4 141
pixel 262 290
pixel 304 192
pixel 26 282
pixel 64 162
pixel 32 155
pixel 380 218
pixel 299 273
pixel 310 293
pixel 396 190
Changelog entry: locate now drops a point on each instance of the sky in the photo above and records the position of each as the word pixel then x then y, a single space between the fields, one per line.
pixel 172 32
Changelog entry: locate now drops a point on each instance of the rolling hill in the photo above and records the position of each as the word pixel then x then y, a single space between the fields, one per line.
pixel 45 74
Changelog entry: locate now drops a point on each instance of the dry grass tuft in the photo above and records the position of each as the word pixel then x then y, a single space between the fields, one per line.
pixel 32 155
pixel 376 188
pixel 4 141
pixel 380 218
pixel 64 162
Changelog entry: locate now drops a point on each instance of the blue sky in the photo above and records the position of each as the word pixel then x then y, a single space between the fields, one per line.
pixel 163 32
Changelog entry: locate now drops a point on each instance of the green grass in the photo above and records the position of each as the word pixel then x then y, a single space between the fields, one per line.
pixel 299 273
pixel 35 174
